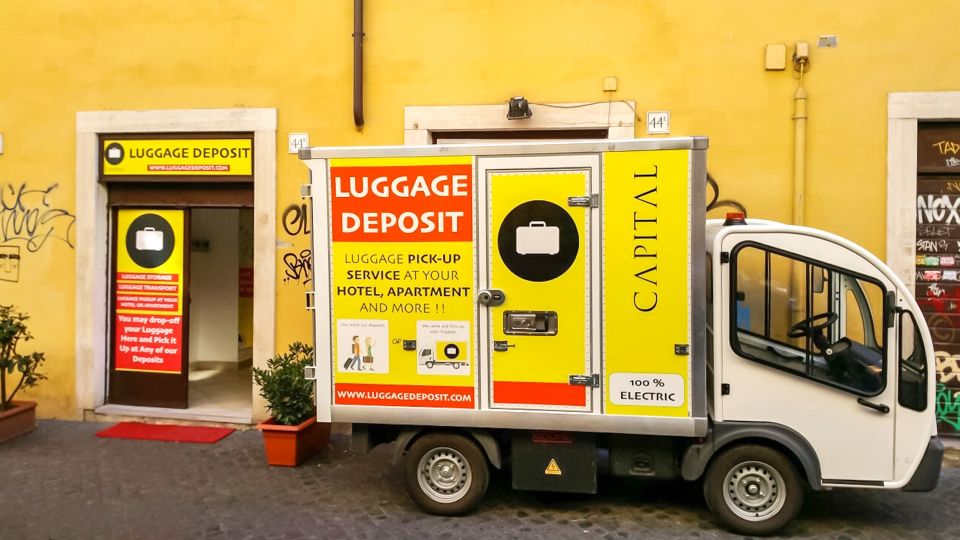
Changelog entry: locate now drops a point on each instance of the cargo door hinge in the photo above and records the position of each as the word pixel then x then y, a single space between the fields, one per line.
pixel 310 373
pixel 592 381
pixel 724 257
pixel 588 201
pixel 681 349
pixel 725 389
pixel 306 191
pixel 311 300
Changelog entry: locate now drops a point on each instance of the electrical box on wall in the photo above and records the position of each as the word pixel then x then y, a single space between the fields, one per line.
pixel 776 57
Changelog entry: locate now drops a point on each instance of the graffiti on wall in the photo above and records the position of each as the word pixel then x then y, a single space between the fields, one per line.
pixel 297 263
pixel 32 217
pixel 298 267
pixel 10 263
pixel 296 220
pixel 937 289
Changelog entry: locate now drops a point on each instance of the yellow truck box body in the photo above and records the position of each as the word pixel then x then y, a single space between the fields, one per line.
pixel 534 286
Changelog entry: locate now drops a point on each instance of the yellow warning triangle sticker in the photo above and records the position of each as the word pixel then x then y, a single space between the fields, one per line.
pixel 553 468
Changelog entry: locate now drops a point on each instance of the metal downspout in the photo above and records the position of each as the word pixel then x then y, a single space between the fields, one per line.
pixel 799 151
pixel 358 63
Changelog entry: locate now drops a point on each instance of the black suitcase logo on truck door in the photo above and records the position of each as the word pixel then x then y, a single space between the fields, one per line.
pixel 538 241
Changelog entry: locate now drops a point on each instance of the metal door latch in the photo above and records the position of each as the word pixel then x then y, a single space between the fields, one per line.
pixel 502 346
pixel 588 201
pixel 409 344
pixel 592 381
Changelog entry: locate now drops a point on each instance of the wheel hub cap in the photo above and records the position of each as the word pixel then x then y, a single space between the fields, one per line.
pixel 754 491
pixel 444 475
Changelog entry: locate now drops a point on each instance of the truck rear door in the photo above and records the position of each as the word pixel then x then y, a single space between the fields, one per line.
pixel 537 244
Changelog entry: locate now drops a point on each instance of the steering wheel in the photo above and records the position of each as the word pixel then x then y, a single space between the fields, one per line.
pixel 812 326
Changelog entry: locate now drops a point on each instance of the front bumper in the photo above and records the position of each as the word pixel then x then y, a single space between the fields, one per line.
pixel 928 473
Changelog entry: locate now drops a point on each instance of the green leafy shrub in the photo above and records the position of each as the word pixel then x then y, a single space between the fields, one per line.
pixel 288 393
pixel 13 330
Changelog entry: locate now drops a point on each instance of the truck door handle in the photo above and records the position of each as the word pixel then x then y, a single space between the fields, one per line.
pixel 880 408
pixel 502 346
pixel 491 297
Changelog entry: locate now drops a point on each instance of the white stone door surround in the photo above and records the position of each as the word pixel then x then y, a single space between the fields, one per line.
pixel 92 226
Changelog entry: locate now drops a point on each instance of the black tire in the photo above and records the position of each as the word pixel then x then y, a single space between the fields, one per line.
pixel 753 489
pixel 435 455
pixel 430 364
pixel 456 365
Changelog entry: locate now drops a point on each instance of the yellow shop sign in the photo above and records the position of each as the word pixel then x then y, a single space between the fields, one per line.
pixel 177 157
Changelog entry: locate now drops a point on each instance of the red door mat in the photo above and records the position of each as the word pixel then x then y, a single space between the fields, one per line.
pixel 165 432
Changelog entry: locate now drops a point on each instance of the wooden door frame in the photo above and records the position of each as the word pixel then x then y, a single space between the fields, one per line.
pixel 904 111
pixel 92 227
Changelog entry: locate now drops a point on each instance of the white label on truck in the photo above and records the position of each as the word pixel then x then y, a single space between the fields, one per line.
pixel 648 389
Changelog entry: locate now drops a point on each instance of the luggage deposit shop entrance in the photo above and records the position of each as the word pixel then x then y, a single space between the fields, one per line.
pixel 181 272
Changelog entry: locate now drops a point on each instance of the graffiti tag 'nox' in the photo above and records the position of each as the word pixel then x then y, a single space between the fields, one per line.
pixel 938 209
pixel 29 216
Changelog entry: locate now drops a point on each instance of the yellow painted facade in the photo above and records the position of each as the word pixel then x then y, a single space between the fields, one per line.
pixel 701 60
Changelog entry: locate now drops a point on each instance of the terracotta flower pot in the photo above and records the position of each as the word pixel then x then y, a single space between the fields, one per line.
pixel 18 420
pixel 289 446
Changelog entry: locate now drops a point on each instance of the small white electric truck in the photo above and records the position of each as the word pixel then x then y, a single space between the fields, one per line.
pixel 591 320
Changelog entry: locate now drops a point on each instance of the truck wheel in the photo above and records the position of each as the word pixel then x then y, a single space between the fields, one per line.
pixel 456 365
pixel 445 474
pixel 430 364
pixel 753 489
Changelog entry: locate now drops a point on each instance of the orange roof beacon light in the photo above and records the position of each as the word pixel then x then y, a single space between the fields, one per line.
pixel 735 218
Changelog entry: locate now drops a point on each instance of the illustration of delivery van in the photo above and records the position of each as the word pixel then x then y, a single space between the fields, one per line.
pixel 448 353
pixel 149 239
pixel 538 238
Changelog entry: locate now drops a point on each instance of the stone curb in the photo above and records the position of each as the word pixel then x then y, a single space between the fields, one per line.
pixel 951 456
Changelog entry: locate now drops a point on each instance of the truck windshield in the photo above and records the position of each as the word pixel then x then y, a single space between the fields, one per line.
pixel 808 318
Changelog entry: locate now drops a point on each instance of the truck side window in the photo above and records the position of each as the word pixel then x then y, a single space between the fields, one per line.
pixel 912 388
pixel 808 318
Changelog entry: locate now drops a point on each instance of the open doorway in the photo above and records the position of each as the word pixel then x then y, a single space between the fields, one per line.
pixel 220 311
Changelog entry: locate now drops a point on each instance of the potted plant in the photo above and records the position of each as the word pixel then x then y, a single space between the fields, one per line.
pixel 292 434
pixel 16 417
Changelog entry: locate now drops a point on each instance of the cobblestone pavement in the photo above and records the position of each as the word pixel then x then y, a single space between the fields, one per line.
pixel 62 482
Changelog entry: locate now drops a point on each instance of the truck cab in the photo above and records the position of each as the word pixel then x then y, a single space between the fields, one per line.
pixel 815 346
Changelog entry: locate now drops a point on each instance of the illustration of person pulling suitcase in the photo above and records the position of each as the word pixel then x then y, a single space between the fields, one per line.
pixel 354 360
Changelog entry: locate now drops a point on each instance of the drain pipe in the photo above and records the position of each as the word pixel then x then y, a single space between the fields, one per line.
pixel 797 275
pixel 358 63
pixel 799 144
pixel 799 152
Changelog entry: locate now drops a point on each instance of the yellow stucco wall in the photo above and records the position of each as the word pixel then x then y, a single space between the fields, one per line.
pixel 702 60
